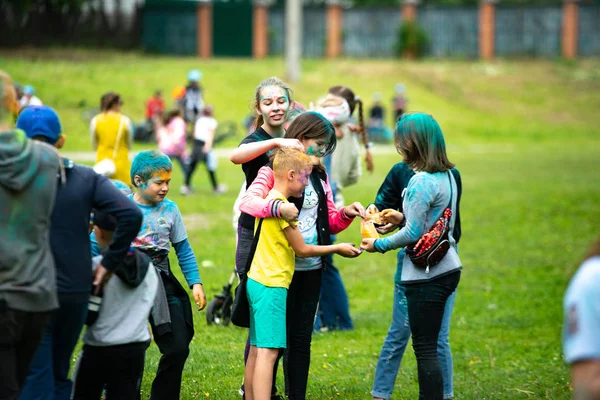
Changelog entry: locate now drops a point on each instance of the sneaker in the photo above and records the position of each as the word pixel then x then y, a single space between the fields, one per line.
pixel 220 189
pixel 185 190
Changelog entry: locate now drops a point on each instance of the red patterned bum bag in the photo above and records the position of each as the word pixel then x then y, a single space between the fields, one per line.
pixel 433 245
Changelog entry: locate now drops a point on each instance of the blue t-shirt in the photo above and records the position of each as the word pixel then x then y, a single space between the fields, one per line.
pixel 581 339
pixel 162 225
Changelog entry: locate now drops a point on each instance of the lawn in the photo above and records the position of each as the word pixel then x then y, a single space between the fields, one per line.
pixel 524 136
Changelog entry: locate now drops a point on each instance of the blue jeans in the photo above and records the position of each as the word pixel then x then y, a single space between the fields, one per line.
pixel 397 339
pixel 48 376
pixel 334 310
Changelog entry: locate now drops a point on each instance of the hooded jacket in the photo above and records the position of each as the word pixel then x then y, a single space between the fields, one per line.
pixel 28 181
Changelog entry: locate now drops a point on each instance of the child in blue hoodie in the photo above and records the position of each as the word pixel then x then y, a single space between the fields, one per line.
pixel 161 228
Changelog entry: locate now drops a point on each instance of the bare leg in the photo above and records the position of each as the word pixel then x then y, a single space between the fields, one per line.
pixel 263 373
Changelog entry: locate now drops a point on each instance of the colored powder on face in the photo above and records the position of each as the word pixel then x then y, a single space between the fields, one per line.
pixel 273 93
pixel 161 176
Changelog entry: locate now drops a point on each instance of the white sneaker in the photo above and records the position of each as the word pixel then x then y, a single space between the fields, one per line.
pixel 220 189
pixel 185 190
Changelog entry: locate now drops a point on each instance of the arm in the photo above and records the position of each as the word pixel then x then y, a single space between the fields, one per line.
pixel 420 195
pixel 253 202
pixel 209 141
pixel 304 250
pixel 109 199
pixel 249 151
pixel 187 262
pixel 585 379
pixel 93 135
pixel 338 220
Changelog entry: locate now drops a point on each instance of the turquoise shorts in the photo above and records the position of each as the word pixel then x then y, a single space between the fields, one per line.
pixel 267 315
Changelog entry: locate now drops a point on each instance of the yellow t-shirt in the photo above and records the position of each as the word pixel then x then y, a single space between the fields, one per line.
pixel 273 263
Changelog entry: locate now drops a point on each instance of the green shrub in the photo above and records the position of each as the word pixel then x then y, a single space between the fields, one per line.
pixel 412 41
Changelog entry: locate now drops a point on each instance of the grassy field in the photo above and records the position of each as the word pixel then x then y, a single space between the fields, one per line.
pixel 524 135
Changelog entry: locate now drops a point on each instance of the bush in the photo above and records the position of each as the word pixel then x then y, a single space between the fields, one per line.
pixel 412 40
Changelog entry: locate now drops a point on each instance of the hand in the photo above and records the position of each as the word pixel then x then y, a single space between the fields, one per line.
pixel 294 143
pixel 199 296
pixel 392 216
pixel 368 245
pixel 369 161
pixel 385 229
pixel 348 250
pixel 101 277
pixel 372 209
pixel 288 211
pixel 354 128
pixel 355 210
pixel 205 149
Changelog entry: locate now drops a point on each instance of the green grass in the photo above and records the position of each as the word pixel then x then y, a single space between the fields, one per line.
pixel 524 136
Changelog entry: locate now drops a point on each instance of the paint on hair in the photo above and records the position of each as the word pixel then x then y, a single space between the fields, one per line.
pixel 147 164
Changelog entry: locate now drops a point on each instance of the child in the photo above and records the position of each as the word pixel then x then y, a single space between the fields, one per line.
pixel 114 345
pixel 79 190
pixel 171 137
pixel 204 136
pixel 161 227
pixel 399 101
pixel 271 273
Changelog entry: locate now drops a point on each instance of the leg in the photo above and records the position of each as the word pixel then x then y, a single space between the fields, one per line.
pixel 302 304
pixel 194 159
pixel 335 312
pixel 69 323
pixel 426 303
pixel 249 374
pixel 443 349
pixel 174 347
pixel 393 348
pixel 262 379
pixel 128 368
pixel 89 375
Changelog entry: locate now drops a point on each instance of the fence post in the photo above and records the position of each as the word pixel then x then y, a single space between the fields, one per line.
pixel 204 31
pixel 409 10
pixel 260 29
pixel 487 28
pixel 334 28
pixel 570 29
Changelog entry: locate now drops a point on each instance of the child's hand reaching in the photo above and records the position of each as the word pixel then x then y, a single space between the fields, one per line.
pixel 348 250
pixel 368 245
pixel 392 216
pixel 199 296
pixel 295 143
pixel 355 210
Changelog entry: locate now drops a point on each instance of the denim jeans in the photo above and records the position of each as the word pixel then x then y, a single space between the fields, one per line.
pixel 334 310
pixel 396 341
pixel 426 304
pixel 48 376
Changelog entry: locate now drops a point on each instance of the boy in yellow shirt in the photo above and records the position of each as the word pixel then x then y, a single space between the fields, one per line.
pixel 271 273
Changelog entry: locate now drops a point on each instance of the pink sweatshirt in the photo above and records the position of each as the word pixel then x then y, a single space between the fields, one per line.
pixel 255 204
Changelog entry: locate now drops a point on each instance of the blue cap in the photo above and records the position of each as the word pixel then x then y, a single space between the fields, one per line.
pixel 40 121
pixel 28 90
pixel 194 75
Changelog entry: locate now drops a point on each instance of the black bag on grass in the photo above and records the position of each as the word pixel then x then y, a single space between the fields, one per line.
pixel 240 309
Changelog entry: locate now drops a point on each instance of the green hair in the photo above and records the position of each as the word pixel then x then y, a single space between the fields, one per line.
pixel 420 141
pixel 148 163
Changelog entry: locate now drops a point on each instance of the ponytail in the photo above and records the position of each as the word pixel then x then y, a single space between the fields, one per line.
pixel 361 121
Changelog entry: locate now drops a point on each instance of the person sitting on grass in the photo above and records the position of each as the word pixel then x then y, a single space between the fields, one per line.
pixel 117 336
pixel 271 273
pixel 161 227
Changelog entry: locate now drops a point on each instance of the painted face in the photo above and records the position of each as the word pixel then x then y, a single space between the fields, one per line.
pixel 300 182
pixel 273 105
pixel 157 187
pixel 315 147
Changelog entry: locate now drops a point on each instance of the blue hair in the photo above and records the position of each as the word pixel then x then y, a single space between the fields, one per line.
pixel 148 163
pixel 420 141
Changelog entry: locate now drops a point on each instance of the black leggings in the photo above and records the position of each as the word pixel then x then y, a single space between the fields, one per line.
pixel 426 303
pixel 199 156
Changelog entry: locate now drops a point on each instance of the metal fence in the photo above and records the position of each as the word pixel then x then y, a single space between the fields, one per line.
pixel 452 31
pixel 169 31
pixel 370 32
pixel 528 31
pixel 589 30
pixel 313 34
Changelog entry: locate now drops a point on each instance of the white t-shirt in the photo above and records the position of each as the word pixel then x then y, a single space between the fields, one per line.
pixel 307 223
pixel 32 101
pixel 203 127
pixel 581 333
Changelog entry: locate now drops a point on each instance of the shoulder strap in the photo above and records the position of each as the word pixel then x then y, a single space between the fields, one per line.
pixel 450 182
pixel 253 247
pixel 119 134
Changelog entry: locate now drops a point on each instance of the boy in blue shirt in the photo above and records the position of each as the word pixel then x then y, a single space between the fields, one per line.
pixel 162 226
